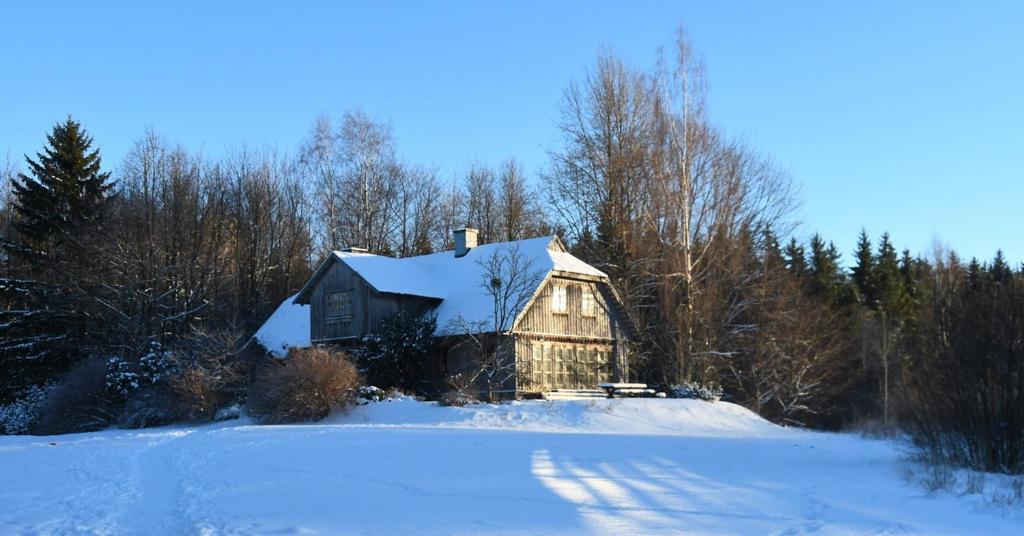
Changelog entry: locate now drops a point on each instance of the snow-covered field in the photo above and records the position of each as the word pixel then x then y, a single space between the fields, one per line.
pixel 405 467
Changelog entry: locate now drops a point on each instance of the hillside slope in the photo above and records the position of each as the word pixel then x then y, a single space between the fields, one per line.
pixel 623 466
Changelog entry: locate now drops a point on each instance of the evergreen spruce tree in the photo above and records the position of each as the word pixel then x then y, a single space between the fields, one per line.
pixel 1001 272
pixel 59 207
pixel 891 291
pixel 772 257
pixel 975 275
pixel 796 259
pixel 65 193
pixel 826 279
pixel 863 272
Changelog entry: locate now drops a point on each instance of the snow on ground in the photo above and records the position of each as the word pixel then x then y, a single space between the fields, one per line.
pixel 604 466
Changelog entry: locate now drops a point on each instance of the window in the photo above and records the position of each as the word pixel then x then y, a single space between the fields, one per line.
pixel 560 364
pixel 339 305
pixel 559 299
pixel 549 367
pixel 588 305
pixel 537 372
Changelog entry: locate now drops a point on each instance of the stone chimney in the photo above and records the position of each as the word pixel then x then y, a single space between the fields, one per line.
pixel 465 240
pixel 353 249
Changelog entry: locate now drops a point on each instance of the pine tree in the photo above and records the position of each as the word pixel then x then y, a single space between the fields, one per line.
pixel 59 206
pixel 863 273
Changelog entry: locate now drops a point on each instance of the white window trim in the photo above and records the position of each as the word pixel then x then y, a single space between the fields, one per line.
pixel 591 311
pixel 560 306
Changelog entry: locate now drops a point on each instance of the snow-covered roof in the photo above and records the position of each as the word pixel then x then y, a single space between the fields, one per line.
pixel 456 281
pixel 288 327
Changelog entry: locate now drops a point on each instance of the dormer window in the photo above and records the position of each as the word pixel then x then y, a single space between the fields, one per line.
pixel 560 299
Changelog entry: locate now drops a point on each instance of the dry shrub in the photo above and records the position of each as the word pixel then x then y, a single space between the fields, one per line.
pixel 211 374
pixel 461 391
pixel 307 386
pixel 199 393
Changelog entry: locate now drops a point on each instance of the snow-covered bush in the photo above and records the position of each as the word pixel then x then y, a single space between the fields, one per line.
pixel 370 393
pixel 695 390
pixel 457 399
pixel 125 377
pixel 19 416
pixel 307 386
pixel 398 355
pixel 157 364
pixel 122 380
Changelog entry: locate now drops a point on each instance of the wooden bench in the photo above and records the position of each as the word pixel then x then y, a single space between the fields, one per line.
pixel 626 389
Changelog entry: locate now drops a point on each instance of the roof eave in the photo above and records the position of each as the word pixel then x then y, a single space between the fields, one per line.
pixel 304 293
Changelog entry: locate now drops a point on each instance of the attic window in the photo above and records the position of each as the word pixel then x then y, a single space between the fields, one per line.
pixel 588 305
pixel 559 299
pixel 339 305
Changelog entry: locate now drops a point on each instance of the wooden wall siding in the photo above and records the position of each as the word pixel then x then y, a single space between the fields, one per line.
pixel 369 307
pixel 575 351
pixel 544 364
pixel 541 320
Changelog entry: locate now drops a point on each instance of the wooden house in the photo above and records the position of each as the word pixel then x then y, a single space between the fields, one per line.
pixel 570 331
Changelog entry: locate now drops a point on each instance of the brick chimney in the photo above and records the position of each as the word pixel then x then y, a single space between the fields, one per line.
pixel 465 240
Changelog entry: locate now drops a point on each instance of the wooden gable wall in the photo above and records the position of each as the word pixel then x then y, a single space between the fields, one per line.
pixel 607 324
pixel 369 307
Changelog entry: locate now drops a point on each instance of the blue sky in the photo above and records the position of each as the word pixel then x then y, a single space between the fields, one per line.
pixel 907 117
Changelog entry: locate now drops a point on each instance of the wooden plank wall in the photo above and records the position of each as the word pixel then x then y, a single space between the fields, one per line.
pixel 575 351
pixel 369 307
pixel 539 319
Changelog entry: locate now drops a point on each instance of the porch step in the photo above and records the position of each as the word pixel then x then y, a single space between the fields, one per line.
pixel 574 394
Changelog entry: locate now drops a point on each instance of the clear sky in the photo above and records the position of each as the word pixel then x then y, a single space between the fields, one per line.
pixel 899 116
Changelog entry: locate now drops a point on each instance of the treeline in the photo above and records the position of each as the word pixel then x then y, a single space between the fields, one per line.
pixel 687 222
pixel 107 264
pixel 693 226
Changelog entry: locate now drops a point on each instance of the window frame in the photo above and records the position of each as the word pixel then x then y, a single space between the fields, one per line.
pixel 560 307
pixel 341 315
pixel 587 296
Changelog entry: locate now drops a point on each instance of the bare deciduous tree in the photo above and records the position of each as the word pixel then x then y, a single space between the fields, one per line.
pixel 509 279
pixel 482 203
pixel 652 194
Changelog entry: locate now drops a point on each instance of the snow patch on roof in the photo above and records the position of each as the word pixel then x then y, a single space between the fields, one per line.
pixel 288 327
